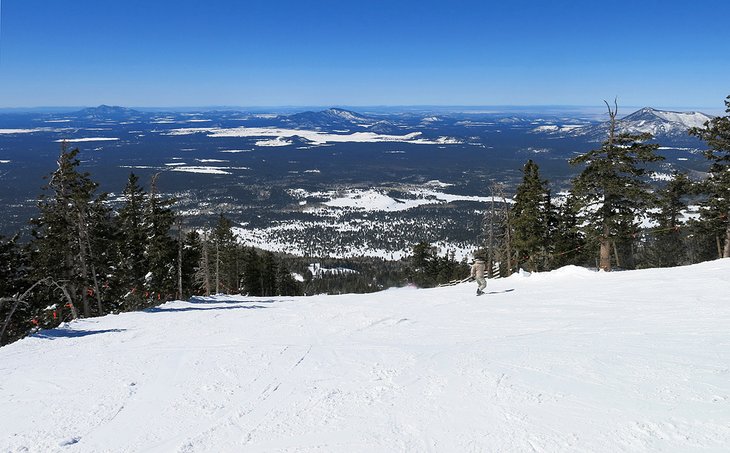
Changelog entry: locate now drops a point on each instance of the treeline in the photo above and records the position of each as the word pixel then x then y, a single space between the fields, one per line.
pixel 598 220
pixel 85 259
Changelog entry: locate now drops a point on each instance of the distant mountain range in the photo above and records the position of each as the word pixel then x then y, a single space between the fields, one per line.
pixel 336 118
pixel 658 123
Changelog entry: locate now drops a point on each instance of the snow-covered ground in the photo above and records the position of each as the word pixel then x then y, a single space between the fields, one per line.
pixel 281 136
pixel 570 360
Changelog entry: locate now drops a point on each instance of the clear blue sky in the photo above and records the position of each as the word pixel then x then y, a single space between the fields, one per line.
pixel 264 53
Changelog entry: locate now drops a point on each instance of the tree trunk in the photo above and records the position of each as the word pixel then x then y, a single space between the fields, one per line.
pixel 217 268
pixel 206 266
pixel 726 251
pixel 605 255
pixel 615 253
pixel 179 259
pixel 718 243
pixel 97 293
pixel 84 269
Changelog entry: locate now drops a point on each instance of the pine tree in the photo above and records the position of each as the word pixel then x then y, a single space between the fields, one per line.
pixel 611 191
pixel 161 250
pixel 191 256
pixel 715 210
pixel 13 280
pixel 225 251
pixel 133 263
pixel 203 278
pixel 667 246
pixel 13 266
pixel 268 274
pixel 530 219
pixel 567 245
pixel 63 232
pixel 285 283
pixel 252 284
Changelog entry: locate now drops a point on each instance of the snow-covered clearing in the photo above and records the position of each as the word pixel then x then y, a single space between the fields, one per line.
pixel 281 136
pixel 571 360
pixel 87 139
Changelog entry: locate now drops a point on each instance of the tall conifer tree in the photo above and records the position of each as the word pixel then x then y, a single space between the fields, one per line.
pixel 715 210
pixel 611 191
pixel 531 218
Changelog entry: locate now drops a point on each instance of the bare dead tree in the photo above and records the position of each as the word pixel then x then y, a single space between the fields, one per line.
pixel 21 299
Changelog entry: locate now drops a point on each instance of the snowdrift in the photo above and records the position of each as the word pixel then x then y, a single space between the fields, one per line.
pixel 570 360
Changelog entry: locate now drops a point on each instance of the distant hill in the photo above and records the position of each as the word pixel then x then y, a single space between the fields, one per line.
pixel 107 112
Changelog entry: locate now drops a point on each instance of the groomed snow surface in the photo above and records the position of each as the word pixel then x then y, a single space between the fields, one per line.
pixel 571 360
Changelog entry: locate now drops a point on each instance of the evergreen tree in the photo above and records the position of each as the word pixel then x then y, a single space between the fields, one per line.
pixel 667 247
pixel 531 218
pixel 611 190
pixel 225 257
pixel 567 245
pixel 192 254
pixel 715 210
pixel 62 232
pixel 133 263
pixel 13 272
pixel 285 283
pixel 13 267
pixel 203 276
pixel 252 282
pixel 268 274
pixel 161 247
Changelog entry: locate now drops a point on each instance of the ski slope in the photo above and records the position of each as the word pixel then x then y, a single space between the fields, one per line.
pixel 566 361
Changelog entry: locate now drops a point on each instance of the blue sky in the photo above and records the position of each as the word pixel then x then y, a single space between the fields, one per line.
pixel 270 53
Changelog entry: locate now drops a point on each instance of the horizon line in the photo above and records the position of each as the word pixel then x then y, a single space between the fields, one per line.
pixel 336 105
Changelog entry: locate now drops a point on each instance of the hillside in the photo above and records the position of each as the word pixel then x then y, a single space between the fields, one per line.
pixel 570 360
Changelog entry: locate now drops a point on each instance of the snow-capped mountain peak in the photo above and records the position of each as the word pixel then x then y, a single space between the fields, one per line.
pixel 662 121
pixel 658 123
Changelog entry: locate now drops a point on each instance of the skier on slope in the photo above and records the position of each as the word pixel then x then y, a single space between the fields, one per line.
pixel 477 272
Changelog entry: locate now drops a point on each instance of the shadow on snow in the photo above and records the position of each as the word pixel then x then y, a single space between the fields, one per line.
pixel 213 300
pixel 500 292
pixel 174 309
pixel 71 333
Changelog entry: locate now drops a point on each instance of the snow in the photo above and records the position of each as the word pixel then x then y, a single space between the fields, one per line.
pixel 548 128
pixel 21 131
pixel 278 141
pixel 372 200
pixel 658 176
pixel 687 119
pixel 87 139
pixel 376 200
pixel 318 271
pixel 570 360
pixel 316 137
pixel 207 169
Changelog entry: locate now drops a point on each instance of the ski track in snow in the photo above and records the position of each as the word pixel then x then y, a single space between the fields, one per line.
pixel 570 360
